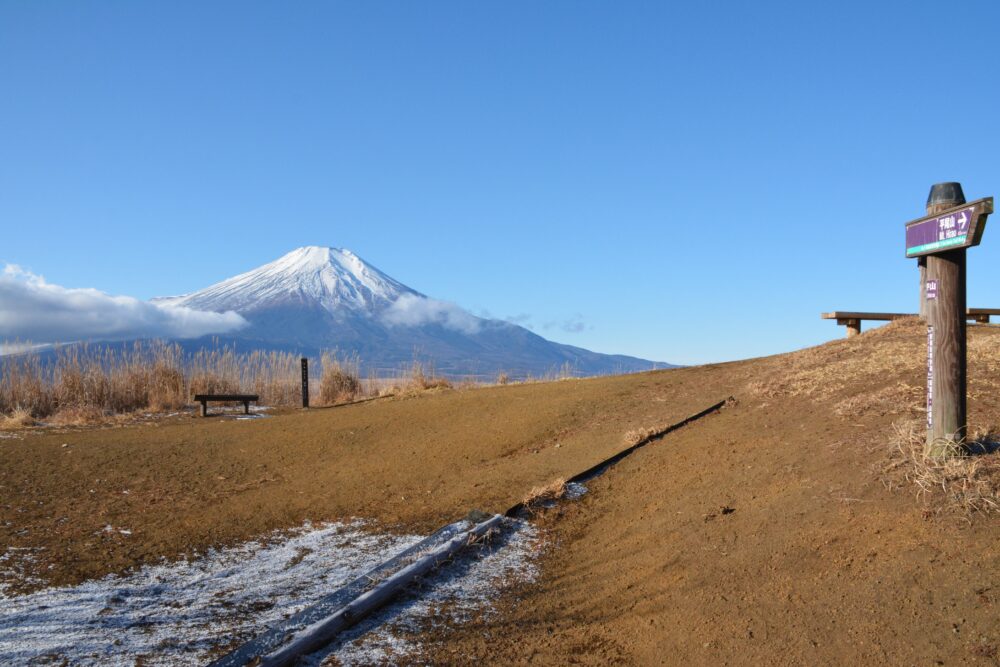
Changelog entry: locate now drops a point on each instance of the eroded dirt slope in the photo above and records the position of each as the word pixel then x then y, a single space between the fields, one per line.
pixel 767 535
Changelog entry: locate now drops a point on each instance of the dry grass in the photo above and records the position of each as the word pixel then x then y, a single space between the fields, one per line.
pixel 540 496
pixel 827 370
pixel 422 381
pixel 340 381
pixel 564 372
pixel 881 372
pixel 18 419
pixel 80 415
pixel 82 384
pixel 636 435
pixel 415 379
pixel 967 482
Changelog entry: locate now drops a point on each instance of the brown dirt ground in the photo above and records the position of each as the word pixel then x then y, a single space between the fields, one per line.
pixel 764 534
pixel 413 464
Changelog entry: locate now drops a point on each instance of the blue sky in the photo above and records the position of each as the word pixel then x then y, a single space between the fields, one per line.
pixel 684 182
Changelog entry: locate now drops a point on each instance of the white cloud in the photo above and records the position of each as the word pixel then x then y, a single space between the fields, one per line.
pixel 574 324
pixel 32 309
pixel 411 310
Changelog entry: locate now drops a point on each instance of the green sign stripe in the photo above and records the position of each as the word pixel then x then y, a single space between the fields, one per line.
pixel 947 243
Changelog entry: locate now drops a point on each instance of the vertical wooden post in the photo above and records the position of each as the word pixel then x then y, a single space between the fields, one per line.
pixel 946 328
pixel 305 382
pixel 853 325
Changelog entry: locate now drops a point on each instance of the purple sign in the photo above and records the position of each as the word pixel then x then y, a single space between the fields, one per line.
pixel 940 233
pixel 932 289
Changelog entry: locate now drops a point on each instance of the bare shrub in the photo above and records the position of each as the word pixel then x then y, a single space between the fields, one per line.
pixel 502 378
pixel 341 380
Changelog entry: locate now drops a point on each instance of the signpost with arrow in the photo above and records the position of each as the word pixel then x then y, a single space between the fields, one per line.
pixel 956 228
pixel 942 238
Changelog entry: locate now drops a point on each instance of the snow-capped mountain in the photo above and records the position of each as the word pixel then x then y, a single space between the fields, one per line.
pixel 317 298
pixel 337 280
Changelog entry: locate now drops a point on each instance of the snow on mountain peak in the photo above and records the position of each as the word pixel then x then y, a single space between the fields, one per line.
pixel 332 278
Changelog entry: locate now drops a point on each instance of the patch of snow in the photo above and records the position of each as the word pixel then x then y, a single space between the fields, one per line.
pixel 176 614
pixel 451 595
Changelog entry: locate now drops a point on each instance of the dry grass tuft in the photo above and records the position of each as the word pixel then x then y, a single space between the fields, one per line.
pixel 341 379
pixel 965 483
pixel 80 415
pixel 413 380
pixel 540 496
pixel 422 381
pixel 17 420
pixel 636 435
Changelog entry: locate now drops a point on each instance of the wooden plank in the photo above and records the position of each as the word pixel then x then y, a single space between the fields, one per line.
pixel 982 311
pixel 320 634
pixel 279 634
pixel 317 625
pixel 848 315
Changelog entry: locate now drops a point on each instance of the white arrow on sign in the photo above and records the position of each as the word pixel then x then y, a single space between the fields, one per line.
pixel 963 222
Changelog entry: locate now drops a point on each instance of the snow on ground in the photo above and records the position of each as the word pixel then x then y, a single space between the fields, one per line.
pixel 174 614
pixel 457 591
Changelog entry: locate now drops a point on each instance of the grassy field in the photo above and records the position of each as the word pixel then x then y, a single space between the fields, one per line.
pixel 796 526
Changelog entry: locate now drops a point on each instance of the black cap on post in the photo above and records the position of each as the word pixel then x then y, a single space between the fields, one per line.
pixel 946 195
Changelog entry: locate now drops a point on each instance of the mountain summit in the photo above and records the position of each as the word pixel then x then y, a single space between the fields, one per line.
pixel 332 278
pixel 316 298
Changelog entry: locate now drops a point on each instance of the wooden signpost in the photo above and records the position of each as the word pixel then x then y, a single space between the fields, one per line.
pixel 942 237
pixel 305 382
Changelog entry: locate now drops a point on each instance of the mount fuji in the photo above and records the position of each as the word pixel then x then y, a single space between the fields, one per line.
pixel 318 298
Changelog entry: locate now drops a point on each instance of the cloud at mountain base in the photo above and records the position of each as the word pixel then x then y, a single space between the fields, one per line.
pixel 32 309
pixel 411 310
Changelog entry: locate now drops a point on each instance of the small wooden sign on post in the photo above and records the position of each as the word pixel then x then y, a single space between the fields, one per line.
pixel 305 382
pixel 942 237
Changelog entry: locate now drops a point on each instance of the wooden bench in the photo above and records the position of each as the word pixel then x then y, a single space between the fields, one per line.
pixel 239 398
pixel 981 315
pixel 853 320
